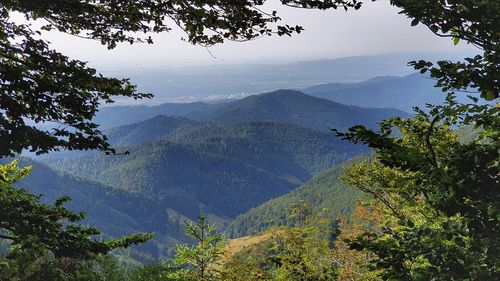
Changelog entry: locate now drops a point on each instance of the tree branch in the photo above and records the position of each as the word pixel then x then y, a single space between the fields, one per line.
pixel 428 141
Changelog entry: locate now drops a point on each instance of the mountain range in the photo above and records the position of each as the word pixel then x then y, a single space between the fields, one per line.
pixel 217 169
pixel 225 81
pixel 283 105
pixel 398 92
pixel 221 160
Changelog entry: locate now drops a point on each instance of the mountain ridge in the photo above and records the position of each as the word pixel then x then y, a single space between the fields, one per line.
pixel 400 92
pixel 295 107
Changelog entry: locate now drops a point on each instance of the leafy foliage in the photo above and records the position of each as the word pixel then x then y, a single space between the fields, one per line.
pixel 300 252
pixel 29 224
pixel 42 85
pixel 439 205
pixel 46 242
pixel 477 23
pixel 101 268
pixel 440 196
pixel 354 265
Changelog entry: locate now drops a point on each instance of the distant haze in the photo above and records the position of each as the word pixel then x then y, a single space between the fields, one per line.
pixel 377 28
pixel 233 81
pixel 374 41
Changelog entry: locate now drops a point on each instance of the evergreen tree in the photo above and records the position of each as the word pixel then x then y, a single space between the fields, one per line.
pixel 202 259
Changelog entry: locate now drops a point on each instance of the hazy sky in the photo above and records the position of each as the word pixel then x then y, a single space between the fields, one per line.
pixel 375 29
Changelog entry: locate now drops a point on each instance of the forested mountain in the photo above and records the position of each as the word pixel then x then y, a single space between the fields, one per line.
pixel 297 108
pixel 117 211
pixel 402 93
pixel 270 144
pixel 227 171
pixel 325 193
pixel 282 105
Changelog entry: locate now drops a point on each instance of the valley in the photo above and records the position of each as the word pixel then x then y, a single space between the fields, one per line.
pixel 225 160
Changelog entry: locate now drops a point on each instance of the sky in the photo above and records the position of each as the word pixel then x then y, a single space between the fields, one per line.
pixel 376 28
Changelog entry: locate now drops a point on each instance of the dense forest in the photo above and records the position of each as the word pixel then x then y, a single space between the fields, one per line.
pixel 325 193
pixel 325 183
pixel 222 170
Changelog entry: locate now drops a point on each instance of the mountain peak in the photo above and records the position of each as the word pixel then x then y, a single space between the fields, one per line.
pixel 289 95
pixel 295 107
pixel 282 92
